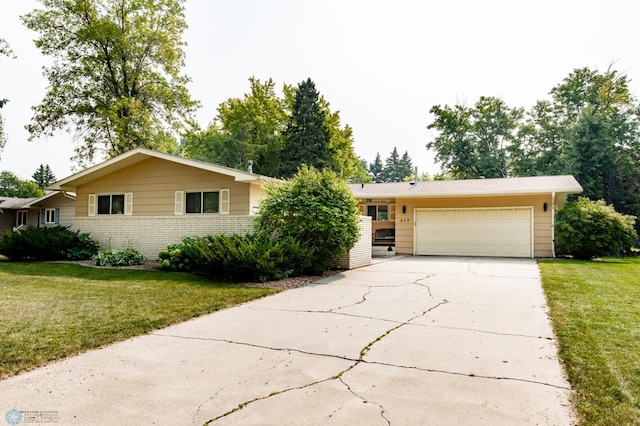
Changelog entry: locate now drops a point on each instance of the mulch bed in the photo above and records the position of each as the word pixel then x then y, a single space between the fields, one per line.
pixel 284 284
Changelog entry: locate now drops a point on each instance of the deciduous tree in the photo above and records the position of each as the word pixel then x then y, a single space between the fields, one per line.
pixel 115 80
pixel 591 129
pixel 12 186
pixel 474 141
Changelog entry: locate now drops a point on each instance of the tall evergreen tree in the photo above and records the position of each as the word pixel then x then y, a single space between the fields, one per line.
pixel 406 166
pixel 43 176
pixel 307 136
pixel 376 169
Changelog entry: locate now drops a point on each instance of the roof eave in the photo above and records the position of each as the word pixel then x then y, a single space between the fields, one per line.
pixel 468 194
pixel 137 155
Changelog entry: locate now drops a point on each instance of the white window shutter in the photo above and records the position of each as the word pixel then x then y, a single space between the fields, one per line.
pixel 179 200
pixel 128 203
pixel 224 201
pixel 92 205
pixel 392 212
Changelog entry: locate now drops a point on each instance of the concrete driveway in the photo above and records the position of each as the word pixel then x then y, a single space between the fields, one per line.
pixel 410 341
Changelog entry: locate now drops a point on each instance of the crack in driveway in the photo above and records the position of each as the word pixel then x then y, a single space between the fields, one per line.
pixel 340 376
pixel 365 400
pixel 337 376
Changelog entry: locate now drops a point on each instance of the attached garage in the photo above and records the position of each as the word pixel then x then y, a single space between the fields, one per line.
pixel 506 217
pixel 474 232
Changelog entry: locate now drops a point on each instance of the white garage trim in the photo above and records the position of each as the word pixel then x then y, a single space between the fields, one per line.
pixel 490 231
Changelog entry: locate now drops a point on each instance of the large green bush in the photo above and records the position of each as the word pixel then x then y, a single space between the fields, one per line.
pixel 586 229
pixel 251 257
pixel 48 243
pixel 315 208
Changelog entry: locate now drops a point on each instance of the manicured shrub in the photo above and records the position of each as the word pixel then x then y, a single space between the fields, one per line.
pixel 586 229
pixel 251 257
pixel 315 208
pixel 126 257
pixel 47 243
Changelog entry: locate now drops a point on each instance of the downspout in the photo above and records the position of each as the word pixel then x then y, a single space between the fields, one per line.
pixel 553 224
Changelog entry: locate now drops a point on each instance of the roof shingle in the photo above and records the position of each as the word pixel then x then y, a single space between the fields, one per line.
pixel 469 187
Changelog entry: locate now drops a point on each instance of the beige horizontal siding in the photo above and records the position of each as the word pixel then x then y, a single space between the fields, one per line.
pixel 404 223
pixel 154 182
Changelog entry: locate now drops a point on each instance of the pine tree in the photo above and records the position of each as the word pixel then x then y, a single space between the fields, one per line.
pixel 376 169
pixel 405 166
pixel 391 172
pixel 43 176
pixel 307 136
pixel 396 169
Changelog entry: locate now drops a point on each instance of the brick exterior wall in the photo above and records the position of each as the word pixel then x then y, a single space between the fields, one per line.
pixel 360 254
pixel 150 234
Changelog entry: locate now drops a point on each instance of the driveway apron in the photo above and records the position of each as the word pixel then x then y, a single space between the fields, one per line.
pixel 408 341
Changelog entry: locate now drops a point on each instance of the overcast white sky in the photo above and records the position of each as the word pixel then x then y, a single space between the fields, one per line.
pixel 382 64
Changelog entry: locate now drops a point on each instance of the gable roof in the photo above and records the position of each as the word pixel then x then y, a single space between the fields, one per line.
pixel 45 197
pixel 469 187
pixel 137 155
pixel 16 203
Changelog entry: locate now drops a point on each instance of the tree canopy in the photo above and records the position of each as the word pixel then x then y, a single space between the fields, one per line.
pixel 115 79
pixel 474 141
pixel 245 129
pixel 12 186
pixel 589 128
pixel 261 127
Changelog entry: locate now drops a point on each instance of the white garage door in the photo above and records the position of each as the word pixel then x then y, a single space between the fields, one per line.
pixel 503 232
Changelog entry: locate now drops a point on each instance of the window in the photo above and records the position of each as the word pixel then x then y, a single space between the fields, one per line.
pixel 195 202
pixel 111 204
pixel 382 212
pixel 22 217
pixel 202 202
pixel 50 216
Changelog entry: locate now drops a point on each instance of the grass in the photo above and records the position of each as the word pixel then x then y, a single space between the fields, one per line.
pixel 49 311
pixel 595 311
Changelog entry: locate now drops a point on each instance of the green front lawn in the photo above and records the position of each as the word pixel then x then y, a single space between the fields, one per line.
pixel 595 310
pixel 50 311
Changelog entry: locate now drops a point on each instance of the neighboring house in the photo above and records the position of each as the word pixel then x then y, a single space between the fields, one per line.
pixel 53 208
pixel 510 217
pixel 145 200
